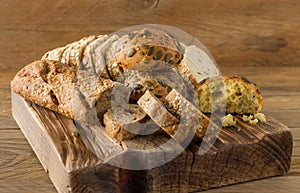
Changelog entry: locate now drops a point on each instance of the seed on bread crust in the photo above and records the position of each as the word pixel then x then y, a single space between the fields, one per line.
pixel 131 52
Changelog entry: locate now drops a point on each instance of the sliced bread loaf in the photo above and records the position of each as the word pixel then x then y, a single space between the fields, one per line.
pixel 70 54
pixel 93 58
pixel 73 54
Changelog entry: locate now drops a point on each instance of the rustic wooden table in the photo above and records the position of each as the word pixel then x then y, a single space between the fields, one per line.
pixel 253 38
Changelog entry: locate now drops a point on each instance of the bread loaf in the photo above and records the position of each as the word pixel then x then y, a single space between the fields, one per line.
pixel 93 58
pixel 139 46
pixel 77 94
pixel 73 54
pixel 55 54
pixel 242 96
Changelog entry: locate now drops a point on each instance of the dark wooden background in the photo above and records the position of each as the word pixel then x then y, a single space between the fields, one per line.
pixel 256 38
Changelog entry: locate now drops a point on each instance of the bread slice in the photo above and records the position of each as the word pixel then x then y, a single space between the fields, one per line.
pixel 156 110
pixel 242 96
pixel 197 65
pixel 77 94
pixel 142 45
pixel 118 127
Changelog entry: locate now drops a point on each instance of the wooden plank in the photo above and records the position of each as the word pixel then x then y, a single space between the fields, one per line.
pixel 266 154
pixel 238 32
pixel 6 76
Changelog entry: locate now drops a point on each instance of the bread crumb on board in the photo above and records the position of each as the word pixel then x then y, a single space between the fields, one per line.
pixel 253 119
pixel 228 121
pixel 261 117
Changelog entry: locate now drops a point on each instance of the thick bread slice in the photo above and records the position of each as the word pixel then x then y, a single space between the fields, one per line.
pixel 185 111
pixel 61 88
pixel 139 46
pixel 118 128
pixel 242 96
pixel 157 111
pixel 197 65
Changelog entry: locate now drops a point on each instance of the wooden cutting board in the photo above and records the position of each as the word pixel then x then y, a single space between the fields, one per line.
pixel 242 153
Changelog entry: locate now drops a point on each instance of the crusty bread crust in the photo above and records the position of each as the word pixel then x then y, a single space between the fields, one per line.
pixel 35 83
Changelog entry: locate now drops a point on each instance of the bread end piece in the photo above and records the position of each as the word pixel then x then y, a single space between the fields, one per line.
pixel 242 96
